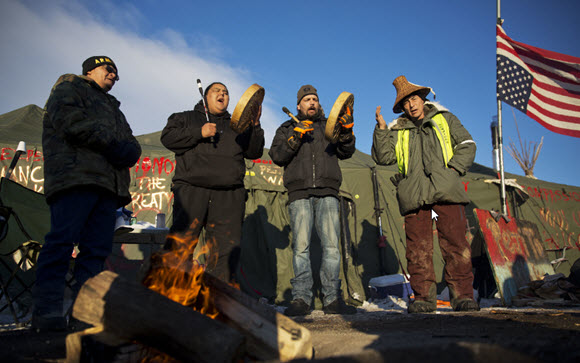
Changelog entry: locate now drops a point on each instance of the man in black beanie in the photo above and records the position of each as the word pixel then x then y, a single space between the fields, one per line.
pixel 208 184
pixel 88 149
pixel 313 177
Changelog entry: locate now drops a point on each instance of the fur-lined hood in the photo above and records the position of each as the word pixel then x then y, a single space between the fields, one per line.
pixel 403 122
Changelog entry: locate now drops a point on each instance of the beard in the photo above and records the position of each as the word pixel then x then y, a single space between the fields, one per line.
pixel 319 115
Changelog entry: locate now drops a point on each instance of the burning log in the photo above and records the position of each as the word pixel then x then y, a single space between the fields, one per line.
pixel 128 311
pixel 269 335
pixel 171 313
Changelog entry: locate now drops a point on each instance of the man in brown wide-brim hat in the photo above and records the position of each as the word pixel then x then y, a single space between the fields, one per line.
pixel 433 151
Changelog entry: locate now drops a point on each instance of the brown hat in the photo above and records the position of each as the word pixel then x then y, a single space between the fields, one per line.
pixel 405 88
pixel 304 91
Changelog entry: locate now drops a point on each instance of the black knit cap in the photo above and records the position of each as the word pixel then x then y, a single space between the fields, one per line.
pixel 305 91
pixel 96 61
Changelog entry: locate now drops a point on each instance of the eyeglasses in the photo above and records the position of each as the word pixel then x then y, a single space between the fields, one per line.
pixel 111 69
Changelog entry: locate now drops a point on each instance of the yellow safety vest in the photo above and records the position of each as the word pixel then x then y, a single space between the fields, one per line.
pixel 441 128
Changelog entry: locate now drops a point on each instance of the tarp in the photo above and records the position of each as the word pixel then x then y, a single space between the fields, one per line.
pixel 266 251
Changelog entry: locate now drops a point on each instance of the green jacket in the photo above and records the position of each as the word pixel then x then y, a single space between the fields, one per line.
pixel 86 139
pixel 428 181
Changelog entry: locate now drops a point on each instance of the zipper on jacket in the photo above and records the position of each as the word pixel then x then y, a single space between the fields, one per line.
pixel 313 171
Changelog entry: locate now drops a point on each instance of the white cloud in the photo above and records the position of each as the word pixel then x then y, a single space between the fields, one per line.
pixel 157 77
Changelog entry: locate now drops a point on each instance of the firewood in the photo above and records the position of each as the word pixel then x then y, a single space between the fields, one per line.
pixel 269 334
pixel 131 312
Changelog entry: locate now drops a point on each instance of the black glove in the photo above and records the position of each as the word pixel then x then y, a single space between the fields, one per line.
pixel 300 130
pixel 346 121
pixel 396 179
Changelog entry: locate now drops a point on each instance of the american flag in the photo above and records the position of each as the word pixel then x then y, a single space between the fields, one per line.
pixel 544 85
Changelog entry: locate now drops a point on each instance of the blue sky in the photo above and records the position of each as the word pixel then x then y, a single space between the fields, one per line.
pixel 161 48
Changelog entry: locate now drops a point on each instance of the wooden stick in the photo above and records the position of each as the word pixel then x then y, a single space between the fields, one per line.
pixel 287 111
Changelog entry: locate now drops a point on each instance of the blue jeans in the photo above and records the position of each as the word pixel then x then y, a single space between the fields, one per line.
pixel 80 216
pixel 324 214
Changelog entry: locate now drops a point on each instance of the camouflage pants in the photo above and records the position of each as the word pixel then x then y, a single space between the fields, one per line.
pixel 456 251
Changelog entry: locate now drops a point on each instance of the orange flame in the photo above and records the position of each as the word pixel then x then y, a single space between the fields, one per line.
pixel 178 274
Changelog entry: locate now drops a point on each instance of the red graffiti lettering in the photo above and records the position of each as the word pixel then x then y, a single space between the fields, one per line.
pixel 159 164
pixel 553 242
pixel 6 153
pixel 547 193
pixel 552 195
pixel 155 165
pixel 146 164
pixel 465 184
pixel 262 161
pixel 35 155
pixel 151 201
pixel 165 166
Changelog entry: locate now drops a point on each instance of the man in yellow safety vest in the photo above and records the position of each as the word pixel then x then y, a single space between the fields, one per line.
pixel 433 150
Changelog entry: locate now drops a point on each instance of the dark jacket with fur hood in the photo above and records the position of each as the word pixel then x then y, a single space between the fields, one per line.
pixel 428 181
pixel 86 140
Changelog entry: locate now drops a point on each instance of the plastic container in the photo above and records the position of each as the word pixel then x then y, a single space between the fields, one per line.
pixel 393 285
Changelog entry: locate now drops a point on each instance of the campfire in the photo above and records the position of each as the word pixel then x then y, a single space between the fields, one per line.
pixel 178 275
pixel 183 312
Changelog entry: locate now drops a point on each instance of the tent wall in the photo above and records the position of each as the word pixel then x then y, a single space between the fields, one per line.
pixel 267 255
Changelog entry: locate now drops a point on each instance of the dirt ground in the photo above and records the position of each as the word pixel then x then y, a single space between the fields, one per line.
pixel 491 335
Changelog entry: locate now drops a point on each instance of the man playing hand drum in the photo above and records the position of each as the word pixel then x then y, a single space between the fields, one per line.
pixel 313 177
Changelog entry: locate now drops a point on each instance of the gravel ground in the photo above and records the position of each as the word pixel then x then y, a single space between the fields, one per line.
pixel 382 330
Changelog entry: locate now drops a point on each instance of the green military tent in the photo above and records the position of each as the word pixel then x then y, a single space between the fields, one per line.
pixel 266 252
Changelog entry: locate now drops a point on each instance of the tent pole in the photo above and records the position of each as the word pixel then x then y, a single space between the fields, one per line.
pixel 500 131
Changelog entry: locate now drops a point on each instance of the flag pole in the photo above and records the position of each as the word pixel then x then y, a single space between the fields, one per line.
pixel 500 130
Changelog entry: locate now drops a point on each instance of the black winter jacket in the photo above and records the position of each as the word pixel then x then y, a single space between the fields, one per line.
pixel 218 165
pixel 315 163
pixel 86 140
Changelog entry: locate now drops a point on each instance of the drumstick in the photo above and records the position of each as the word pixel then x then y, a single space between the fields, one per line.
pixel 287 111
pixel 204 105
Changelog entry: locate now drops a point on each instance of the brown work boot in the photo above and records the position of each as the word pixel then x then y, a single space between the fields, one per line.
pixel 421 306
pixel 466 304
pixel 425 304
